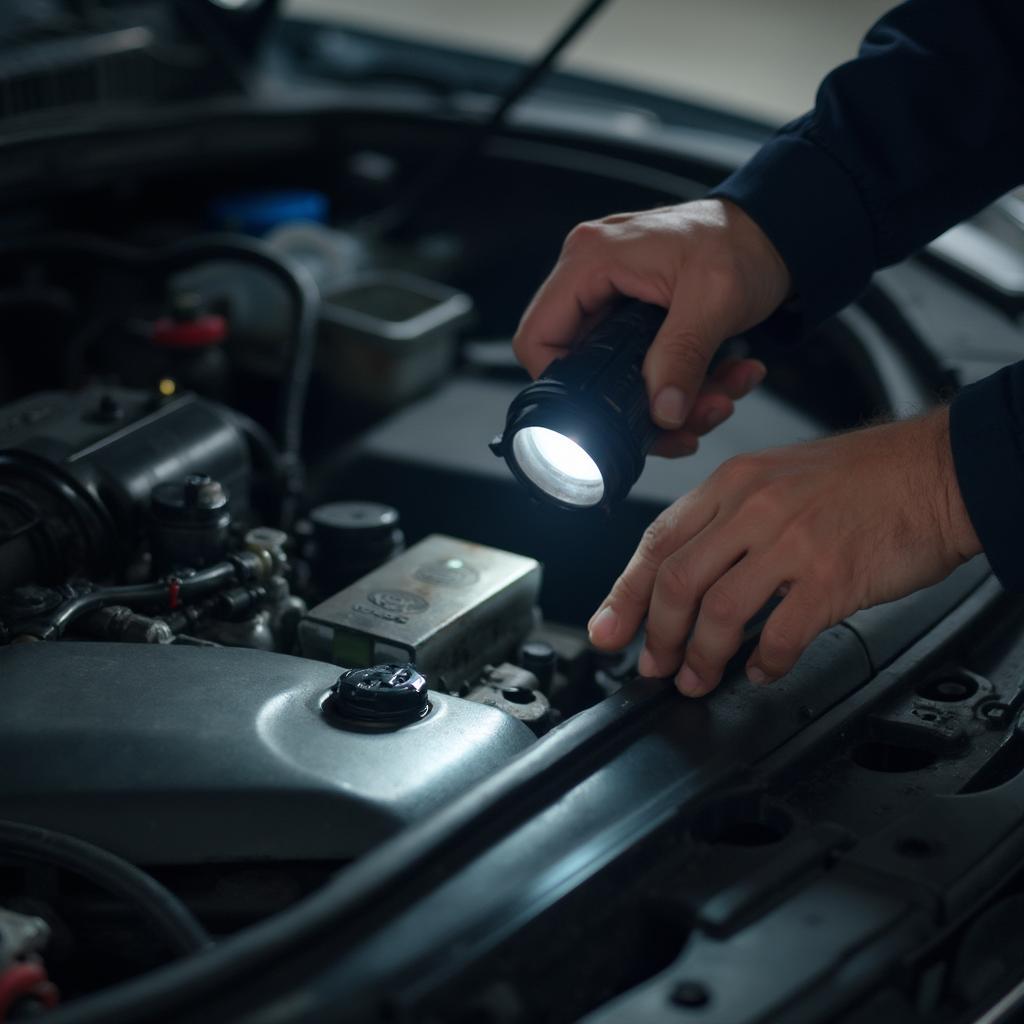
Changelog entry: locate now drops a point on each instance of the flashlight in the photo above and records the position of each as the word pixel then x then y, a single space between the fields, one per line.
pixel 579 434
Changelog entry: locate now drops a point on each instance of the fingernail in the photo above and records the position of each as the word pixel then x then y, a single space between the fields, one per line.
pixel 646 665
pixel 755 675
pixel 756 376
pixel 714 417
pixel 689 683
pixel 603 624
pixel 670 407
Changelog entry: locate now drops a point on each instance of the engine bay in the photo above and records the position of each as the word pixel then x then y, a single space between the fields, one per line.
pixel 267 600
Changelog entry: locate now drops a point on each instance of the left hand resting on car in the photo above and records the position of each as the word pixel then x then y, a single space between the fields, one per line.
pixel 832 526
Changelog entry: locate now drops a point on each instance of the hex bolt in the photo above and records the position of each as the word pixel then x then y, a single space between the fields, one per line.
pixel 995 713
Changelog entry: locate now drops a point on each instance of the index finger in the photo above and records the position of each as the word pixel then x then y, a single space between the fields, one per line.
pixel 571 298
pixel 616 621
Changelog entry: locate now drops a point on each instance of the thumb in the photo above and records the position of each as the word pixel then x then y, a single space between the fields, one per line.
pixel 675 367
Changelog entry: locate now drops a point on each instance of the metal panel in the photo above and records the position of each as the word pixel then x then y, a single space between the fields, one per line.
pixel 180 754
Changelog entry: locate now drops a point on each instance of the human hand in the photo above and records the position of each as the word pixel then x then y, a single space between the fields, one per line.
pixel 707 263
pixel 832 526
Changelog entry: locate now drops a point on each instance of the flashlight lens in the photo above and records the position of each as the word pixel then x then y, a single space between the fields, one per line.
pixel 558 466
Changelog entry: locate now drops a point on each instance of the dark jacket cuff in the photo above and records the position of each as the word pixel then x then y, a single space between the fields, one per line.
pixel 812 211
pixel 985 434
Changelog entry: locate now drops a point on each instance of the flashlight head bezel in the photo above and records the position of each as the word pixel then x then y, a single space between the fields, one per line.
pixel 595 395
pixel 559 466
pixel 545 403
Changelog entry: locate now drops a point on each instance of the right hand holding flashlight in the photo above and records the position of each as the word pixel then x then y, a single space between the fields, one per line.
pixel 707 263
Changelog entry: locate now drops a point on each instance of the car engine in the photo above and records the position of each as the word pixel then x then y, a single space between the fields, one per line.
pixel 214 718
pixel 282 641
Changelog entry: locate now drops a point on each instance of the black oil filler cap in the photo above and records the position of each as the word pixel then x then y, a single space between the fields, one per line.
pixel 380 695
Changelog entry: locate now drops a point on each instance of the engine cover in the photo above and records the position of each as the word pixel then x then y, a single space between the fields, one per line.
pixel 173 755
pixel 77 471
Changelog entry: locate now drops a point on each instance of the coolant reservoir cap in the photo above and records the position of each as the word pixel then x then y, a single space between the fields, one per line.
pixel 355 522
pixel 380 695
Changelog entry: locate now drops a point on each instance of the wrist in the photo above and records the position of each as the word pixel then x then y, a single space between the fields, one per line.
pixel 958 538
pixel 768 283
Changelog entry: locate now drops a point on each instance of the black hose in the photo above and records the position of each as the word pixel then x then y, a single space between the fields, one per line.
pixel 285 486
pixel 169 917
pixel 53 625
pixel 262 445
pixel 301 287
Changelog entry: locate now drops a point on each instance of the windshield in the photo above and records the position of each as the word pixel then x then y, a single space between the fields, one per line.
pixel 758 57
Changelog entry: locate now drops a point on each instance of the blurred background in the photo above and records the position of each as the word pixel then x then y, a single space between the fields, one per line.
pixel 759 57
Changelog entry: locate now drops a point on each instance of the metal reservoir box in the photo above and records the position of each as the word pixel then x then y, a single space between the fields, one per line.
pixel 446 605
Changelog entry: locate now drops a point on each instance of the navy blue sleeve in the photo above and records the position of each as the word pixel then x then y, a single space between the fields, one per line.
pixel 924 128
pixel 986 432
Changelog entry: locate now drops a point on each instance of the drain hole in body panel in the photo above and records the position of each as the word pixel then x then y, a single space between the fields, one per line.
pixel 948 689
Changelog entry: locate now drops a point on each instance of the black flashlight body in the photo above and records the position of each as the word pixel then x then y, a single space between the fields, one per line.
pixel 597 397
